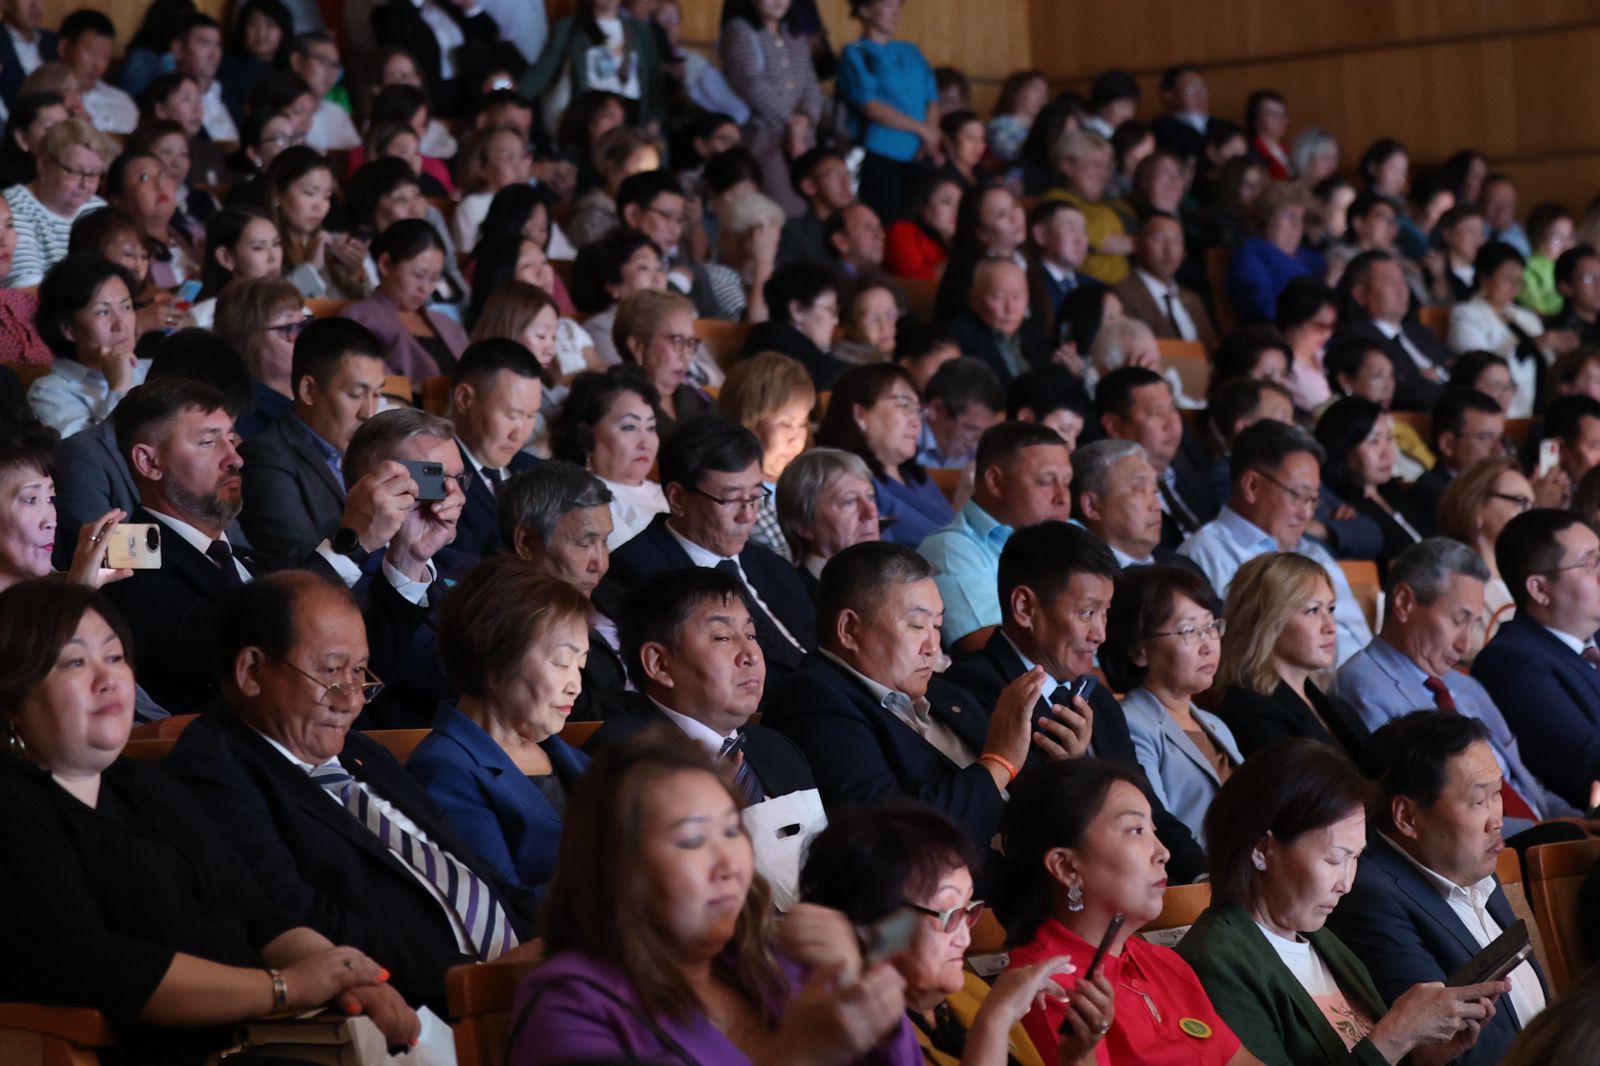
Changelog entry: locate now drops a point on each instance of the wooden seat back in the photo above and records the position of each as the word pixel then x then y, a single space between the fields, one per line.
pixel 32 1034
pixel 1181 906
pixel 479 996
pixel 1555 877
pixel 1363 577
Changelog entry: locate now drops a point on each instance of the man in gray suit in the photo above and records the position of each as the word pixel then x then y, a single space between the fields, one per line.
pixel 294 495
pixel 1435 593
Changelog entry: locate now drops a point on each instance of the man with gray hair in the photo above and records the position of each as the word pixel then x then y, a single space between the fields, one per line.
pixel 1435 593
pixel 825 504
pixel 557 517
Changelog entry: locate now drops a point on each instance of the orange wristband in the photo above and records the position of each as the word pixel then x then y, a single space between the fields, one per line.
pixel 1000 761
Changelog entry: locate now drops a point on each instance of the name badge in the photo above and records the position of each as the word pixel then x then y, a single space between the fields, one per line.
pixel 1195 1028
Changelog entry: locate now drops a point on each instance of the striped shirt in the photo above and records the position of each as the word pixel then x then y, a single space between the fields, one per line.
pixel 42 235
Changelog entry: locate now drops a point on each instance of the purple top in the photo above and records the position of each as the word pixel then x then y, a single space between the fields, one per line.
pixel 574 1020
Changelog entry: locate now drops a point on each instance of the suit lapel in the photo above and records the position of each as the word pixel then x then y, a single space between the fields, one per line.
pixel 1411 882
pixel 107 439
pixel 181 557
pixel 301 445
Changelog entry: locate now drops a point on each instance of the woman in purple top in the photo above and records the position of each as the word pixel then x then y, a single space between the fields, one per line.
pixel 662 943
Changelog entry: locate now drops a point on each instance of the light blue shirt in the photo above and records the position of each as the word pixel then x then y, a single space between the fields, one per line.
pixel 1382 683
pixel 894 73
pixel 1230 540
pixel 929 455
pixel 967 553
pixel 73 397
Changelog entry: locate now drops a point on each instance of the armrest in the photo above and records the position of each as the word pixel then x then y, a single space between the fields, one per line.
pixel 84 1026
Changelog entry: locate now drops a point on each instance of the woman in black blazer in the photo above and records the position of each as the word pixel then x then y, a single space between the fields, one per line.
pixel 1280 635
pixel 1358 438
pixel 132 904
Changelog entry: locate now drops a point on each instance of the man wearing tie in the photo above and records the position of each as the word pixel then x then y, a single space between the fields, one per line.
pixel 711 475
pixel 1152 294
pixel 1136 403
pixel 1379 301
pixel 1435 593
pixel 494 406
pixel 1542 667
pixel 1061 236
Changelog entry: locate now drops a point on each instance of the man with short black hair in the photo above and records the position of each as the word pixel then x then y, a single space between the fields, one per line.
pixel 1061 242
pixel 960 402
pixel 24 46
pixel 197 51
pixel 1053 396
pixel 1466 426
pixel 1113 100
pixel 1276 472
pixel 1425 899
pixel 1577 278
pixel 855 236
pixel 1152 294
pixel 1574 421
pixel 88 40
pixel 1377 301
pixel 1542 667
pixel 822 177
pixel 711 476
pixel 294 485
pixel 1055 584
pixel 1024 477
pixel 1136 403
pixel 315 57
pixel 494 406
pixel 1187 98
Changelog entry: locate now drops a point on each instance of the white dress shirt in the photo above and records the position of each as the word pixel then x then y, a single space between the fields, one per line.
pixel 446 31
pixel 215 117
pixel 1160 291
pixel 110 109
pixel 694 729
pixel 27 49
pixel 915 714
pixel 332 129
pixel 1577 644
pixel 199 541
pixel 349 572
pixel 72 396
pixel 701 557
pixel 1395 333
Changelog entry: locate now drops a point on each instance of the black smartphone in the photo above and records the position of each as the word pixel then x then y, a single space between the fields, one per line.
pixel 1504 954
pixel 1099 956
pixel 1083 686
pixel 429 478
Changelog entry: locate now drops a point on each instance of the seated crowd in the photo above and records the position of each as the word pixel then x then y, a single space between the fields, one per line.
pixel 550 498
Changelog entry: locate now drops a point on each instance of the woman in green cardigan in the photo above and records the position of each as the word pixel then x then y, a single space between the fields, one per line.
pixel 1285 833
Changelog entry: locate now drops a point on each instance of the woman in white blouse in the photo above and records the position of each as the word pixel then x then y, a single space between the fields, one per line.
pixel 1492 321
pixel 608 425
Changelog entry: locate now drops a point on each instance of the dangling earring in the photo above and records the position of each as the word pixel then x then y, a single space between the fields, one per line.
pixel 14 742
pixel 1075 897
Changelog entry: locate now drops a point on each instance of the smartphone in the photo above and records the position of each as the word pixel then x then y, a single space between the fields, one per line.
pixel 429 478
pixel 1099 956
pixel 1504 954
pixel 188 291
pixel 134 546
pixel 1083 686
pixel 889 936
pixel 1549 456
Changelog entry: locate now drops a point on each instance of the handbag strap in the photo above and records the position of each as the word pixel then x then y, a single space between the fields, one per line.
pixel 592 985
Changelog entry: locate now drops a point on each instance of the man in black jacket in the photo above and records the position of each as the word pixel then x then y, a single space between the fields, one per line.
pixel 335 831
pixel 1376 303
pixel 693 654
pixel 997 328
pixel 1056 582
pixel 447 43
pixel 711 474
pixel 494 405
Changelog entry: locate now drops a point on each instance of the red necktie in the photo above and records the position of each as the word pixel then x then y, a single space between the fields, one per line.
pixel 1511 803
pixel 1591 655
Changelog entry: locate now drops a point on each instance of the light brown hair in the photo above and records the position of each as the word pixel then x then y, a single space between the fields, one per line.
pixel 1265 594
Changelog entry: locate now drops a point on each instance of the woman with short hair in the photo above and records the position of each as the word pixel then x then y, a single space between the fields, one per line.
pixel 655 331
pixel 73 157
pixel 86 319
pixel 261 318
pixel 1274 254
pixel 772 396
pixel 1475 507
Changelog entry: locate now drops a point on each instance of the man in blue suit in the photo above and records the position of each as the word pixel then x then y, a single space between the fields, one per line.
pixel 1435 594
pixel 1425 898
pixel 494 405
pixel 24 47
pixel 1542 667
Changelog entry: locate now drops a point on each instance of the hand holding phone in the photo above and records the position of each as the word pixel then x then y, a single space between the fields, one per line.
pixel 429 477
pixel 1112 929
pixel 1549 456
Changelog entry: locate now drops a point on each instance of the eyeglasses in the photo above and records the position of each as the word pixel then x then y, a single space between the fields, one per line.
pixel 1521 503
pixel 1188 636
pixel 757 500
pixel 92 176
pixel 1304 499
pixel 1590 563
pixel 291 330
pixel 367 689
pixel 952 918
pixel 282 140
pixel 682 343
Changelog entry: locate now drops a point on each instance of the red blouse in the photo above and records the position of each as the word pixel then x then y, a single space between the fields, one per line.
pixel 19 337
pixel 908 252
pixel 1164 1017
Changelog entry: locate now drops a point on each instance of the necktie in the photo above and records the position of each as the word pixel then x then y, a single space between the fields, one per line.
pixel 222 555
pixel 496 480
pixel 743 775
pixel 1172 315
pixel 776 643
pixel 1185 518
pixel 467 895
pixel 1591 655
pixel 1511 802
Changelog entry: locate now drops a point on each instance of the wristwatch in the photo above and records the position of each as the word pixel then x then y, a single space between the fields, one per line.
pixel 348 544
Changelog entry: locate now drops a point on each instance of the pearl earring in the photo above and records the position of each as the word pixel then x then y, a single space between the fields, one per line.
pixel 1260 863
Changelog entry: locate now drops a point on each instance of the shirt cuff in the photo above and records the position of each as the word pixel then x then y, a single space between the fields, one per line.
pixel 413 591
pixel 342 565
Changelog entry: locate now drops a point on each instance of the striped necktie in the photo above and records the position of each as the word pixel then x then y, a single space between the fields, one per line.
pixel 743 774
pixel 467 895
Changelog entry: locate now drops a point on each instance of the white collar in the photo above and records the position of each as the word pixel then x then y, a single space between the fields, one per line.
pixel 1029 664
pixel 696 730
pixel 698 555
pixel 192 536
pixel 1125 560
pixel 1387 328
pixel 1575 643
pixel 1476 894
pixel 287 754
pixel 814 565
pixel 1157 287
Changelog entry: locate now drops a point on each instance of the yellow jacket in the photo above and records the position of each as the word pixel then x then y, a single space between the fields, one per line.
pixel 964 1005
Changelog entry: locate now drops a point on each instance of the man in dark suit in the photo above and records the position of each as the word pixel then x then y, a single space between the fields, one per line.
pixel 336 833
pixel 996 328
pixel 38 46
pixel 1187 98
pixel 1377 300
pixel 1114 496
pixel 494 406
pixel 557 516
pixel 874 720
pixel 1151 293
pixel 1425 899
pixel 711 474
pixel 1061 236
pixel 1135 403
pixel 1466 426
pixel 1056 581
pixel 1540 668
pixel 693 654
pixel 446 42
pixel 294 494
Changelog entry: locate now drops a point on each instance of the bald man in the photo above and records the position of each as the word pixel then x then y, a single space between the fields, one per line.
pixel 997 328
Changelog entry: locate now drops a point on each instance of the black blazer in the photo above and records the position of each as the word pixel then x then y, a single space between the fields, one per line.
pixel 1421 506
pixel 11 75
pixel 292 501
pixel 861 753
pixel 399 22
pixel 976 339
pixel 1191 488
pixel 315 861
pixel 92 477
pixel 655 551
pixel 987 671
pixel 784 338
pixel 1256 720
pixel 1176 135
pixel 478 531
pixel 779 765
pixel 1412 391
pixel 605 681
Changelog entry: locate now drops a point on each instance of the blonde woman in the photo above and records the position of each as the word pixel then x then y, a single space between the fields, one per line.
pixel 772 396
pixel 1474 509
pixel 1280 638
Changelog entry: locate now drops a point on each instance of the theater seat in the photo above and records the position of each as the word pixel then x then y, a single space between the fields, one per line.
pixel 36 1035
pixel 723 340
pixel 398 742
pixel 479 996
pixel 1555 877
pixel 1181 905
pixel 1363 577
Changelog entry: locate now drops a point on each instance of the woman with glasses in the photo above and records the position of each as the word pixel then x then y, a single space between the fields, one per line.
pixel 772 396
pixel 490 160
pixel 261 318
pixel 262 138
pixel 418 342
pixel 876 414
pixel 655 331
pixel 1358 440
pixel 1163 638
pixel 514 644
pixel 72 159
pixel 1280 642
pixel 1475 507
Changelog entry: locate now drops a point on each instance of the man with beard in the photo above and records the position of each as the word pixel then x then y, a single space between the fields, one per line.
pixel 178 438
